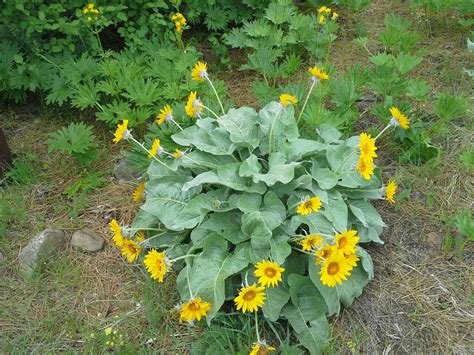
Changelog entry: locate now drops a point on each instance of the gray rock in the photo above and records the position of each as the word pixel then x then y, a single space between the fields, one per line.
pixel 40 248
pixel 124 173
pixel 86 240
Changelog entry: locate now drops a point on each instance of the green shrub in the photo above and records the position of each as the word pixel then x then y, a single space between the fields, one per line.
pixel 248 192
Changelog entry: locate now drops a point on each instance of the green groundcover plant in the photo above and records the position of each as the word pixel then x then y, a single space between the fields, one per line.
pixel 255 217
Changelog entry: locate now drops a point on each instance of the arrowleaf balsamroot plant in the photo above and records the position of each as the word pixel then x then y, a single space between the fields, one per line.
pixel 251 212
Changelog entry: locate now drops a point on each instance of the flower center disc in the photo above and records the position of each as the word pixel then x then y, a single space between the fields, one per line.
pixel 342 242
pixel 308 204
pixel 249 295
pixel 270 272
pixel 333 268
pixel 193 307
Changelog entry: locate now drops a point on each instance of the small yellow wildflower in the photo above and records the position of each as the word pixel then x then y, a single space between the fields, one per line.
pixel 390 191
pixel 321 19
pixel 165 114
pixel 193 310
pixel 261 348
pixel 130 250
pixel 199 72
pixel 399 119
pixel 311 242
pixel 179 21
pixel 308 206
pixel 250 298
pixel 325 252
pixel 334 16
pixel 108 330
pixel 268 272
pixel 138 192
pixel 156 263
pixel 324 9
pixel 193 107
pixel 122 132
pixel 346 242
pixel 155 148
pixel 318 73
pixel 286 99
pixel 177 154
pixel 335 269
pixel 367 146
pixel 365 167
pixel 118 235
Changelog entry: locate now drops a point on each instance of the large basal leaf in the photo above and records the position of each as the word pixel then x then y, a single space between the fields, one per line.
pixel 273 210
pixel 300 148
pixel 227 225
pixel 206 137
pixel 277 297
pixel 226 175
pixel 279 171
pixel 329 294
pixel 198 160
pixel 368 216
pixel 166 198
pixel 307 314
pixel 242 128
pixel 280 248
pixel 246 202
pixel 336 212
pixel 325 177
pixel 353 286
pixel 279 123
pixel 341 158
pixel 253 225
pixel 209 272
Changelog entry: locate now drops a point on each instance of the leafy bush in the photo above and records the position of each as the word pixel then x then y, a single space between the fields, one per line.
pixel 249 194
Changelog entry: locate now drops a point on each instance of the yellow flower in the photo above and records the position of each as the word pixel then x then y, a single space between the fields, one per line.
pixel 352 259
pixel 399 119
pixel 286 99
pixel 179 21
pixel 118 236
pixel 311 242
pixel 318 73
pixel 367 146
pixel 324 9
pixel 155 148
pixel 365 167
pixel 130 250
pixel 390 191
pixel 138 192
pixel 199 72
pixel 121 132
pixel 346 242
pixel 193 107
pixel 308 206
pixel 177 154
pixel 269 273
pixel 156 263
pixel 334 16
pixel 165 114
pixel 322 19
pixel 250 298
pixel 325 252
pixel 193 310
pixel 140 236
pixel 261 348
pixel 335 269
pixel 108 330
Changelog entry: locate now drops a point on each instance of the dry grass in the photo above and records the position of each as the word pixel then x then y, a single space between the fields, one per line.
pixel 78 294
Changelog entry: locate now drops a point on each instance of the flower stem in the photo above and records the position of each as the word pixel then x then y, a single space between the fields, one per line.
pixel 215 92
pixel 184 257
pixel 154 157
pixel 383 130
pixel 306 100
pixel 207 108
pixel 176 123
pixel 256 326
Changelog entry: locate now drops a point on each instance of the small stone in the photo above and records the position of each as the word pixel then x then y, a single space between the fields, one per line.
pixel 86 240
pixel 40 248
pixel 434 239
pixel 124 173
